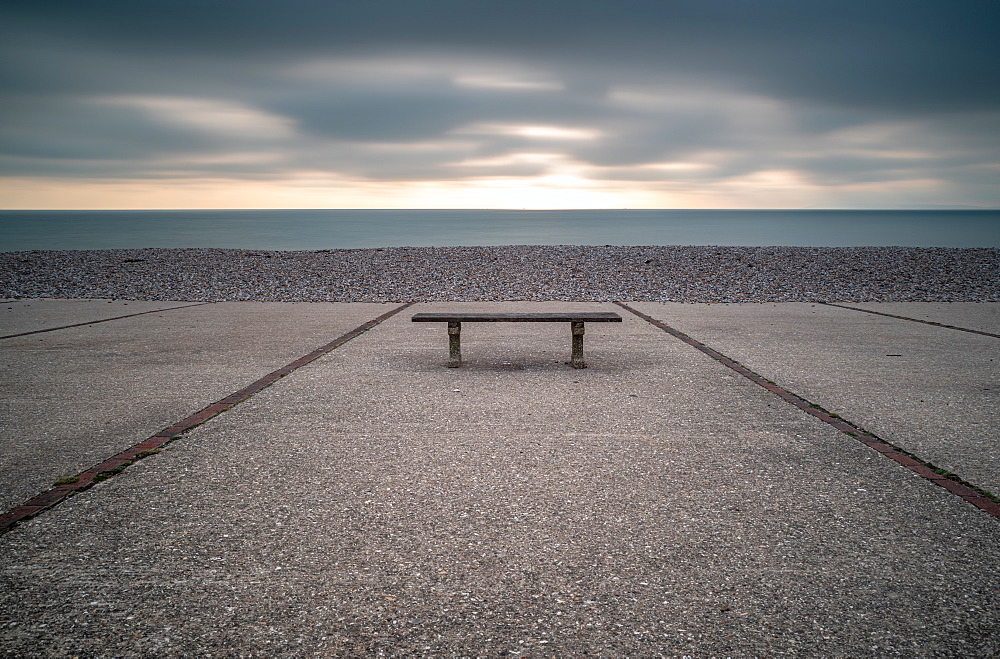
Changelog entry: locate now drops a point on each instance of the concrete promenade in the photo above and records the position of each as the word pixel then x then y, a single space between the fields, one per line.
pixel 374 503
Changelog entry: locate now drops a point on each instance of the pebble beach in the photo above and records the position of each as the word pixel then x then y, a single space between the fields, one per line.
pixel 511 273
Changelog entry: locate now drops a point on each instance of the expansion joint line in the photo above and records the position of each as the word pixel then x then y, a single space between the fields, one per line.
pixel 103 320
pixel 976 496
pixel 915 320
pixel 153 444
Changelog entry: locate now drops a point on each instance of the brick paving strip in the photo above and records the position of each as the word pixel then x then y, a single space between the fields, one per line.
pixel 976 496
pixel 118 463
pixel 915 320
pixel 103 320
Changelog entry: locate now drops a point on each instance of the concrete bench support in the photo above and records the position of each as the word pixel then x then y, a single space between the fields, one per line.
pixel 576 356
pixel 454 344
pixel 576 321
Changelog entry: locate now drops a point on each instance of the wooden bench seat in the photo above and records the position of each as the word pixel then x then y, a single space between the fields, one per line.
pixel 576 319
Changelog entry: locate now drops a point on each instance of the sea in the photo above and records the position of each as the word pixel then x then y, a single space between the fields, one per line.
pixel 351 229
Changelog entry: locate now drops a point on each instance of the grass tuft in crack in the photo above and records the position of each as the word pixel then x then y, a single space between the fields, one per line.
pixel 105 475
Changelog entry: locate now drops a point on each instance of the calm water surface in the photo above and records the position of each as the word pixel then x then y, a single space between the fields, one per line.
pixel 332 229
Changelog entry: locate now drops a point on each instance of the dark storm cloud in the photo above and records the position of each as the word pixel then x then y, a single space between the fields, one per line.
pixel 833 90
pixel 884 53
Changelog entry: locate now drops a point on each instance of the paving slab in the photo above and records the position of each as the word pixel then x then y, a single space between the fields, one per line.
pixel 34 315
pixel 930 390
pixel 76 396
pixel 378 503
pixel 979 316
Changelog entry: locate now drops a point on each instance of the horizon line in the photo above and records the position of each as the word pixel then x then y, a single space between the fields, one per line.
pixel 956 207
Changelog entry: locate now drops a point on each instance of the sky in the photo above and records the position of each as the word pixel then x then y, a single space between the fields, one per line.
pixel 499 104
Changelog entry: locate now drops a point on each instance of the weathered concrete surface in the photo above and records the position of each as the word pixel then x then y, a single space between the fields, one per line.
pixel 981 316
pixel 376 502
pixel 74 397
pixel 931 390
pixel 33 315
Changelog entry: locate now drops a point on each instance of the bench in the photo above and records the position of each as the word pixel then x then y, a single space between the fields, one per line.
pixel 575 319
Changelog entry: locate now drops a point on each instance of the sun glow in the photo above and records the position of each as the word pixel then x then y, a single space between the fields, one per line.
pixel 320 190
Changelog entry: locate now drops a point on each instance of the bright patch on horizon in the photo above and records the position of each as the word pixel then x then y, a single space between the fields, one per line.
pixel 561 190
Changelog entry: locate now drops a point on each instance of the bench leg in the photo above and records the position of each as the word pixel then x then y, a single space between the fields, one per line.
pixel 454 344
pixel 577 357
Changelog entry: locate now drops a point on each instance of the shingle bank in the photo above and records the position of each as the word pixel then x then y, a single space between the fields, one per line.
pixel 519 272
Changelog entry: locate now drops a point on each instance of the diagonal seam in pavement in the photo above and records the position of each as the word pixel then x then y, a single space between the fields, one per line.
pixel 915 320
pixel 102 320
pixel 151 445
pixel 978 497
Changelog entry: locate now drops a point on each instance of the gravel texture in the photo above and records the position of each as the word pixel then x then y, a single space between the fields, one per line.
pixel 510 273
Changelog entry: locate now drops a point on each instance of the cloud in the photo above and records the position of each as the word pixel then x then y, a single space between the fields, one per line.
pixel 214 118
pixel 529 131
pixel 777 103
pixel 506 83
